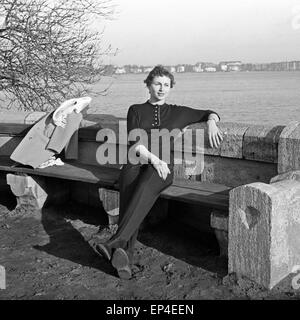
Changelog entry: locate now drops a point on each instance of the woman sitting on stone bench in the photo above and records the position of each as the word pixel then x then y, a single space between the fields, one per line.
pixel 142 183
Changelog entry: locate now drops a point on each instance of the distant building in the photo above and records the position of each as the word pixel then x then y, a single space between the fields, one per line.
pixel 223 66
pixel 209 67
pixel 120 70
pixel 294 65
pixel 230 66
pixel 198 67
pixel 136 70
pixel 180 69
pixel 188 68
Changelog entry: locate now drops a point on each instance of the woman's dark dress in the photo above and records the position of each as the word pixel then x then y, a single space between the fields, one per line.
pixel 140 185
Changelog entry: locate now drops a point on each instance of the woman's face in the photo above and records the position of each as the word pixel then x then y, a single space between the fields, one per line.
pixel 159 88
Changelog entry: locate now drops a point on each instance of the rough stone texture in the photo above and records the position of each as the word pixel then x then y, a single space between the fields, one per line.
pixel 288 148
pixel 28 190
pixel 185 171
pixel 219 222
pixel 222 237
pixel 235 172
pixel 261 143
pixel 111 202
pixel 264 228
pixel 291 175
pixel 34 191
pixel 232 144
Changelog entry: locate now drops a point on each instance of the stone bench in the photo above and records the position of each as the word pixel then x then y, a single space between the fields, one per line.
pixel 32 185
pixel 186 189
pixel 256 166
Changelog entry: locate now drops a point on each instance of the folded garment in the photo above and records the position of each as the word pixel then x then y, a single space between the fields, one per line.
pixel 51 162
pixel 67 107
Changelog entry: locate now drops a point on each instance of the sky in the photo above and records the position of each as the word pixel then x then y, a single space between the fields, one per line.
pixel 148 32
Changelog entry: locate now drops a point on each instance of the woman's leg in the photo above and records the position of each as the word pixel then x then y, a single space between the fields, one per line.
pixel 127 184
pixel 145 185
pixel 139 188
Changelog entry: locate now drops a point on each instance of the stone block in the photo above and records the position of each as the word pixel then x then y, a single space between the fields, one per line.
pixel 29 191
pixel 288 148
pixel 219 222
pixel 264 228
pixel 232 144
pixel 34 191
pixel 206 148
pixel 187 170
pixel 261 143
pixel 111 203
pixel 290 175
pixel 233 136
pixel 235 172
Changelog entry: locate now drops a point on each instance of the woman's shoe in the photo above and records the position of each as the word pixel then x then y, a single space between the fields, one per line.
pixel 120 262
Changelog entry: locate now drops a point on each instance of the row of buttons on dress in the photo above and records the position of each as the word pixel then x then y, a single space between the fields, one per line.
pixel 156 116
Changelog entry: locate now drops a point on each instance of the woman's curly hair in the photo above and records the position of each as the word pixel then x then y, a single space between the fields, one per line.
pixel 159 71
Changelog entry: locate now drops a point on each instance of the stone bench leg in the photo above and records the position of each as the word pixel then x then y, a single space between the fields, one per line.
pixel 29 191
pixel 219 222
pixel 264 229
pixel 34 191
pixel 111 200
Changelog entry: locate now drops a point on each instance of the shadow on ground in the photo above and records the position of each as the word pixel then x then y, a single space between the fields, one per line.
pixel 69 229
pixel 187 244
pixel 75 224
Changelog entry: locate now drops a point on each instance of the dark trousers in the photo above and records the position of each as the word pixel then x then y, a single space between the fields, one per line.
pixel 140 186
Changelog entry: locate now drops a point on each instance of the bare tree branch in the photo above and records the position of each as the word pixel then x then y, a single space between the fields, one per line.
pixel 49 50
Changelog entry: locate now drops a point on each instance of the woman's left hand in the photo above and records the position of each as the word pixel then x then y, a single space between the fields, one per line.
pixel 214 134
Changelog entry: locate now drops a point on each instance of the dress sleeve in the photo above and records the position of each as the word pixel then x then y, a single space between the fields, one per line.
pixel 134 123
pixel 189 115
pixel 132 119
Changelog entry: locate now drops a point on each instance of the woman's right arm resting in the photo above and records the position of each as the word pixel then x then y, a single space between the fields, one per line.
pixel 160 166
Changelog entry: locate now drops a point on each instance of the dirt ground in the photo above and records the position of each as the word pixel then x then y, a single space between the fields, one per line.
pixel 46 256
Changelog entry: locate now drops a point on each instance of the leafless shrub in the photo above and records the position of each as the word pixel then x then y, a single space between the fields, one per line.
pixel 50 50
